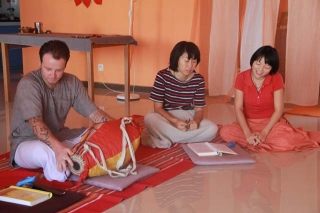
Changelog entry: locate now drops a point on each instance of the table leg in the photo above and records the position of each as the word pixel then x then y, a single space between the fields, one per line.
pixel 6 71
pixel 8 110
pixel 127 79
pixel 90 75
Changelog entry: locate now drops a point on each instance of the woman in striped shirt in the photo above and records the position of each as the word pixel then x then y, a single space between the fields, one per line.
pixel 178 94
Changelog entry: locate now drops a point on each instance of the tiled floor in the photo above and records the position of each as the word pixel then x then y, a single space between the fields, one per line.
pixel 286 182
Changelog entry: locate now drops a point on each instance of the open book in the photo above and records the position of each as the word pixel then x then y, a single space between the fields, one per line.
pixel 210 149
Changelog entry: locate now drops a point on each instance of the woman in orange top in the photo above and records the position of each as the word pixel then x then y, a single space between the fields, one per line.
pixel 259 105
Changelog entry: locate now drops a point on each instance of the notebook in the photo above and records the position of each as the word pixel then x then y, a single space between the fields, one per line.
pixel 242 157
pixel 210 149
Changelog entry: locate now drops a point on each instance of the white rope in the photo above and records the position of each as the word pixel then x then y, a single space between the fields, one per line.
pixel 125 140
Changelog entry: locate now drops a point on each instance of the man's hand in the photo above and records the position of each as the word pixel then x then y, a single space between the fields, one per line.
pixel 44 134
pixel 63 154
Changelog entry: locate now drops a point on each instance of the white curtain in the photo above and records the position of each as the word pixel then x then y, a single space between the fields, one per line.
pixel 232 43
pixel 260 25
pixel 252 32
pixel 302 69
pixel 223 46
pixel 303 52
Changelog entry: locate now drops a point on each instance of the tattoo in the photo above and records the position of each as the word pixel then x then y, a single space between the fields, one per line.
pixel 40 130
pixel 99 116
pixel 44 133
pixel 36 119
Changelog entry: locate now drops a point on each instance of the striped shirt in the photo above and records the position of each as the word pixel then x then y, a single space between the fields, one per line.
pixel 175 94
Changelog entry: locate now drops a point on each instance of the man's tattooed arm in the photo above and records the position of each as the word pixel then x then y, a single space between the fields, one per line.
pixel 61 151
pixel 100 116
pixel 41 130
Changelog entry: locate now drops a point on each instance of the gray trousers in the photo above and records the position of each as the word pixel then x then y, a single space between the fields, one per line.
pixel 160 133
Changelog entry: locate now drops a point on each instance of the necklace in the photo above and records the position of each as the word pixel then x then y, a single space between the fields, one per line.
pixel 258 87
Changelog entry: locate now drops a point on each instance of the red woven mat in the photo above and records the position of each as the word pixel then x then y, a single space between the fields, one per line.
pixel 171 162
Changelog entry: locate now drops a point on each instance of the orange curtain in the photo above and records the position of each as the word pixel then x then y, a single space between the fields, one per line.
pixel 270 17
pixel 194 34
pixel 303 53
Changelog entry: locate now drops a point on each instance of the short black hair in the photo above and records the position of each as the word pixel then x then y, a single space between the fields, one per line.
pixel 57 48
pixel 270 55
pixel 179 49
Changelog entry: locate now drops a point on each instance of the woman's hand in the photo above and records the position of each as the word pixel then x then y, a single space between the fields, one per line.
pixel 253 139
pixel 181 125
pixel 192 125
pixel 261 136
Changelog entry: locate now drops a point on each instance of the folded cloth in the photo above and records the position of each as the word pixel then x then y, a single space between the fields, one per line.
pixel 119 183
pixel 307 111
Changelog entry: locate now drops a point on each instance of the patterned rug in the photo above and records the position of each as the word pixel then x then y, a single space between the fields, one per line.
pixel 171 162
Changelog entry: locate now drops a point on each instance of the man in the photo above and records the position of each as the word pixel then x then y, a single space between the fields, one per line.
pixel 43 99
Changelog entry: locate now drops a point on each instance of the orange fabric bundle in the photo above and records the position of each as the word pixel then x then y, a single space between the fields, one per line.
pixel 283 136
pixel 107 148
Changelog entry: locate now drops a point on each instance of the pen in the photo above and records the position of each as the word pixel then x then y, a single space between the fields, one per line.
pixel 188 124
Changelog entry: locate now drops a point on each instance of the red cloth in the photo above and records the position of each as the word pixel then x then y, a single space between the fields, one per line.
pixel 107 138
pixel 282 137
pixel 258 104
